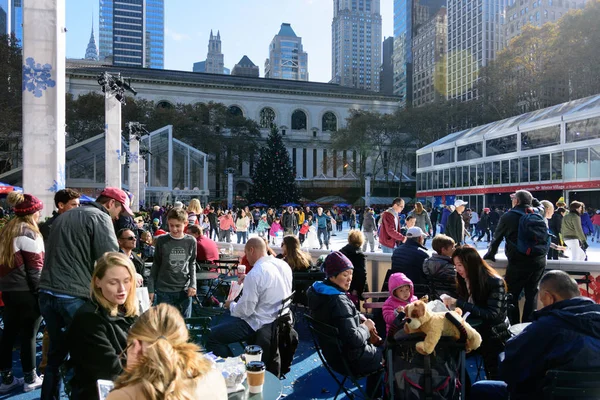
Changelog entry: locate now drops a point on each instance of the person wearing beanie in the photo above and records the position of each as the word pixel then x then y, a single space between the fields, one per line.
pixel 21 262
pixel 329 303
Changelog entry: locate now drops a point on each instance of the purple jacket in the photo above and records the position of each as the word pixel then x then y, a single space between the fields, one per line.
pixel 586 224
pixel 397 280
pixel 445 214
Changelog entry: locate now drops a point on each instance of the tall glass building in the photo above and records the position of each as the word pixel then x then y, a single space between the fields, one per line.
pixel 132 32
pixel 287 59
pixel 11 18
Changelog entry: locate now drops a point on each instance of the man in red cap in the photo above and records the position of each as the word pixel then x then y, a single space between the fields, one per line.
pixel 79 237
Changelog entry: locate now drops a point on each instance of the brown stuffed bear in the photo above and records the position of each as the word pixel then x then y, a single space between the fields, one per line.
pixel 436 325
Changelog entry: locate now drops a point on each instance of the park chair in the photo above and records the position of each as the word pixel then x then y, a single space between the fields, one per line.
pixel 572 385
pixel 325 335
pixel 198 329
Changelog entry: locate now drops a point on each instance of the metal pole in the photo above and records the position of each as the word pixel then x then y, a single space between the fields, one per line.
pixel 367 190
pixel 230 188
pixel 44 99
pixel 112 153
pixel 134 171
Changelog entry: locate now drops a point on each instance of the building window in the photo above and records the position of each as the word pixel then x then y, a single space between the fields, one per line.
pixel 335 163
pixel 299 120
pixel 538 138
pixel 329 122
pixel 267 116
pixel 595 162
pixel 505 172
pixel 503 145
pixel 424 160
pixel 304 163
pixel 314 162
pixel 557 163
pixel 545 167
pixel 325 162
pixel 514 171
pixel 569 165
pixel 470 151
pixel 488 174
pixel 534 169
pixel 444 156
pixel 236 111
pixel 294 159
pixel 583 130
pixel 524 170
pixel 582 164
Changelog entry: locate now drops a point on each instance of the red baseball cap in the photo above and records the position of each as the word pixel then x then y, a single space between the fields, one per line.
pixel 118 195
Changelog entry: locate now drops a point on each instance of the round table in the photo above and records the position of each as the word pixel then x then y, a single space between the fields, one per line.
pixel 272 390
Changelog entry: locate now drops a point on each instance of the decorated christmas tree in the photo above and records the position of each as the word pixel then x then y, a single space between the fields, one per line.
pixel 273 180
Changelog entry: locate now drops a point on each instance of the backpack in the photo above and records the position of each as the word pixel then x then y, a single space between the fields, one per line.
pixel 533 238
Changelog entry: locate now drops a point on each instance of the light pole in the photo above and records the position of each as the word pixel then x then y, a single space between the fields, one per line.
pixel 230 172
pixel 114 88
pixel 368 176
pixel 136 131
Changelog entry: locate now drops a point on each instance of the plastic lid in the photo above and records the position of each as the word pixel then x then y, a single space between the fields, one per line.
pixel 255 366
pixel 253 349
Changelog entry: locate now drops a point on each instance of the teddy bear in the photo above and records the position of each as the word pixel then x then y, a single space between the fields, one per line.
pixel 435 325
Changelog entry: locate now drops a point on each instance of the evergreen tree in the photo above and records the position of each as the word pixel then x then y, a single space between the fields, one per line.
pixel 274 178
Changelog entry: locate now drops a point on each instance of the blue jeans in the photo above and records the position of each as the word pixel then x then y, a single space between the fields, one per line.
pixel 325 233
pixel 179 300
pixel 241 236
pixel 387 250
pixel 58 314
pixel 596 232
pixel 489 390
pixel 231 330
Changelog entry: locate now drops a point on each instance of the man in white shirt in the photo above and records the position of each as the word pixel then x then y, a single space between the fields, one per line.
pixel 266 285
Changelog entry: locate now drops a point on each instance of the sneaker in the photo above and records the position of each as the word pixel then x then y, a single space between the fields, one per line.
pixel 4 388
pixel 36 384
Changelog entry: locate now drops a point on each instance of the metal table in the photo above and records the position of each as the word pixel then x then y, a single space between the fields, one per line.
pixel 272 390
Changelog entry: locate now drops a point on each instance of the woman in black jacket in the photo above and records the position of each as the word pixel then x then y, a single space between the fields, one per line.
pixel 329 303
pixel 482 292
pixel 359 260
pixel 555 224
pixel 98 335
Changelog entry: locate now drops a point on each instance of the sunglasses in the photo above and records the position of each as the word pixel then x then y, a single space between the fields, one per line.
pixel 128 238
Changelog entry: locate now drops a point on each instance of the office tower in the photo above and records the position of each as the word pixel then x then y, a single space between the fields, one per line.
pixel 386 77
pixel 245 68
pixel 91 53
pixel 429 60
pixel 474 36
pixel 132 32
pixel 520 13
pixel 11 18
pixel 287 59
pixel 214 57
pixel 409 15
pixel 356 43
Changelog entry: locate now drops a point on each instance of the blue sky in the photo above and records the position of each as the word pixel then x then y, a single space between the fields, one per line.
pixel 247 28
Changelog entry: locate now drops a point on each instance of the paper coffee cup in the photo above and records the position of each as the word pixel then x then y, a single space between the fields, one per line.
pixel 241 269
pixel 252 353
pixel 255 372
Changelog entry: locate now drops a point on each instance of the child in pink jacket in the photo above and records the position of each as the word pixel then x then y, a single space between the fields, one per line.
pixel 275 227
pixel 402 292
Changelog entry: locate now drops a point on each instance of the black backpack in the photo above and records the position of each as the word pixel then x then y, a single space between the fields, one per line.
pixel 533 238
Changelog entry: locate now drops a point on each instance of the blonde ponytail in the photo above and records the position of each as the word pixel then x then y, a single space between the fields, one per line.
pixel 13 228
pixel 15 198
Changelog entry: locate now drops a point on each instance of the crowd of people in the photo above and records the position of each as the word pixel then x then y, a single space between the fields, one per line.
pixel 79 271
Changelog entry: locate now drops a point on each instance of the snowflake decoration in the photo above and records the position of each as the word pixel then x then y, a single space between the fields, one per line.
pixel 60 183
pixel 37 77
pixel 134 157
pixel 118 154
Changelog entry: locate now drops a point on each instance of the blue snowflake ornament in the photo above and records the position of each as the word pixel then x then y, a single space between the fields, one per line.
pixel 60 183
pixel 37 77
pixel 134 157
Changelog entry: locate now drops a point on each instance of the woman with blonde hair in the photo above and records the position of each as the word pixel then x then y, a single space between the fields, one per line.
pixel 296 258
pixel 194 211
pixel 98 333
pixel 21 261
pixel 163 365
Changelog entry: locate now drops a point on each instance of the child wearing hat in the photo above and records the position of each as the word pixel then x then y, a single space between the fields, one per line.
pixel 263 226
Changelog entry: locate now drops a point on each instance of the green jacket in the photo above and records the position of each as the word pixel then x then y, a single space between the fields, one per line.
pixel 571 227
pixel 79 237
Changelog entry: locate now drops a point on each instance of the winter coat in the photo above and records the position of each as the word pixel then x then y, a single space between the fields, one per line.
pixel 586 224
pixel 474 218
pixel 368 224
pixel 596 219
pixel 445 214
pixel 288 221
pixel 422 220
pixel 95 341
pixel 389 233
pixel 397 280
pixel 555 226
pixel 24 274
pixel 440 275
pixel 322 220
pixel 435 213
pixel 262 226
pixel 226 222
pixel 359 261
pixel 79 237
pixel 241 224
pixel 275 227
pixel 329 304
pixel 564 336
pixel 484 222
pixel 455 228
pixel 571 227
pixel 47 225
pixel 408 259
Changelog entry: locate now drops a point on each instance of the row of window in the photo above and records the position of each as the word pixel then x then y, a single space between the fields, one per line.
pixel 299 119
pixel 563 165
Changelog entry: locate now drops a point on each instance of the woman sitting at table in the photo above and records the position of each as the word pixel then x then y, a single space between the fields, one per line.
pixel 353 250
pixel 296 258
pixel 162 364
pixel 482 292
pixel 98 334
pixel 329 304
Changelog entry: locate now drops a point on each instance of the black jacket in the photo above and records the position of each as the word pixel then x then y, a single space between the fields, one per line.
pixel 408 258
pixel 555 224
pixel 358 260
pixel 508 228
pixel 441 276
pixel 329 304
pixel 95 342
pixel 47 225
pixel 288 221
pixel 455 227
pixel 79 237
pixel 484 222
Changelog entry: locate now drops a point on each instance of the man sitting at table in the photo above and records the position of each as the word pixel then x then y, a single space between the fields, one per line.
pixel 563 335
pixel 207 251
pixel 265 286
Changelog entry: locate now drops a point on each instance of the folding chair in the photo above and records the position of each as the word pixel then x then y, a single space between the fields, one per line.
pixel 572 385
pixel 198 328
pixel 328 336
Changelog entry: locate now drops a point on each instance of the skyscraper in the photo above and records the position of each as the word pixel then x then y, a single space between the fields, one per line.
pixel 356 43
pixel 132 32
pixel 287 59
pixel 91 53
pixel 214 57
pixel 245 68
pixel 408 16
pixel 386 77
pixel 11 18
pixel 475 34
